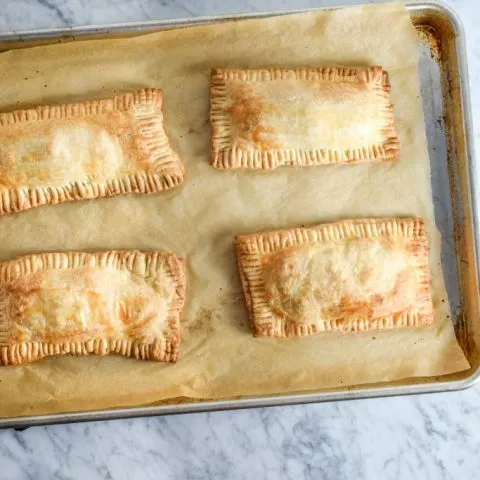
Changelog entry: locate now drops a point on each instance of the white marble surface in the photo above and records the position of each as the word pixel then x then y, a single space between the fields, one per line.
pixel 422 437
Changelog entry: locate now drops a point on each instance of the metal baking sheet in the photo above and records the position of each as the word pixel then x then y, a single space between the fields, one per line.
pixel 445 94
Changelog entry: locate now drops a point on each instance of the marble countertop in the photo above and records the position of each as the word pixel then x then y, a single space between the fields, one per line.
pixel 424 437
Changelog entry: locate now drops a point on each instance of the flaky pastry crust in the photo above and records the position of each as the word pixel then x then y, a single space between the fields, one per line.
pixel 266 118
pixel 101 148
pixel 123 302
pixel 350 275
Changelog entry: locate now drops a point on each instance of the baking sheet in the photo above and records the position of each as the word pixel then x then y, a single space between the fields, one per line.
pixel 219 357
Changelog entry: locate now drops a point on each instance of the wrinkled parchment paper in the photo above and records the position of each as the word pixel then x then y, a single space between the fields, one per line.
pixel 219 357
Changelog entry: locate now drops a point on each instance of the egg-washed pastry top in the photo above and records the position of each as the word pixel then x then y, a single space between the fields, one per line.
pixel 123 302
pixel 266 118
pixel 350 275
pixel 100 148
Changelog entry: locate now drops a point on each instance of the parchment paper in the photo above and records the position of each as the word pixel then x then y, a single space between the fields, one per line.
pixel 219 357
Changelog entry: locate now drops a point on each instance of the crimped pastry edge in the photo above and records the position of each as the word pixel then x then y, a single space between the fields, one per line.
pixel 224 156
pixel 169 175
pixel 165 349
pixel 251 247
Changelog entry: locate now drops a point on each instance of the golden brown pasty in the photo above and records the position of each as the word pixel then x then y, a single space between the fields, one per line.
pixel 305 116
pixel 52 154
pixel 348 275
pixel 120 302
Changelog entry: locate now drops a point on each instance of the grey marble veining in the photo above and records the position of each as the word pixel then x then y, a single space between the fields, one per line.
pixel 422 437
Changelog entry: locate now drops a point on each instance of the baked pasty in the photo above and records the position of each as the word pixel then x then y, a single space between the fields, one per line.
pixel 266 118
pixel 79 303
pixel 52 154
pixel 344 276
